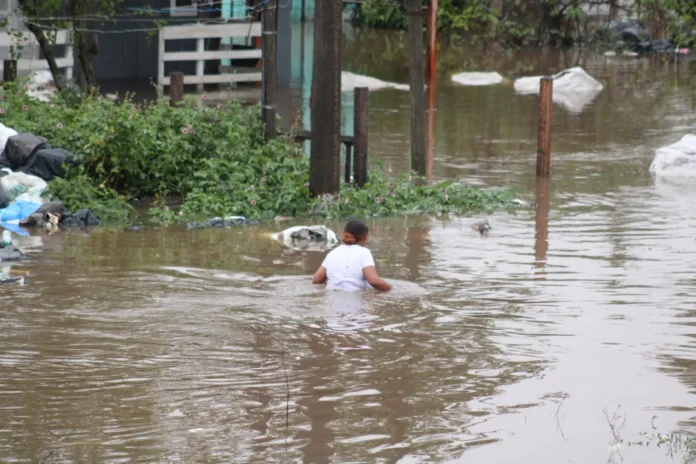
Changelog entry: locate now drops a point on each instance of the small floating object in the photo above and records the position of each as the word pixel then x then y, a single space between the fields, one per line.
pixel 573 88
pixel 307 238
pixel 477 78
pixel 349 81
pixel 610 53
pixel 630 53
pixel 676 160
pixel 482 227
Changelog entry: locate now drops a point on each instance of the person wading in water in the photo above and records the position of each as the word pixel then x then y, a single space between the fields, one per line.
pixel 350 267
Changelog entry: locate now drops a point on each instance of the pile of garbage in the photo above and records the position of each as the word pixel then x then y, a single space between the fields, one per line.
pixel 630 35
pixel 27 164
pixel 307 238
pixel 573 88
pixel 676 161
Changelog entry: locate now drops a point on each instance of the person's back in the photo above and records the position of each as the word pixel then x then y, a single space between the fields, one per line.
pixel 344 268
pixel 350 267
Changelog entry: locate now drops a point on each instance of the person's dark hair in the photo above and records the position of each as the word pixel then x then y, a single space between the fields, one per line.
pixel 354 232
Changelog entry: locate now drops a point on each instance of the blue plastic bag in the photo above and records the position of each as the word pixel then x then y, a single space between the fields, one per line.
pixel 17 211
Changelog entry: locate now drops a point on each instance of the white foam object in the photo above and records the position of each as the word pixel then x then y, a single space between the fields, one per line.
pixel 676 160
pixel 477 78
pixel 19 186
pixel 573 88
pixel 41 85
pixel 349 81
pixel 285 237
pixel 5 133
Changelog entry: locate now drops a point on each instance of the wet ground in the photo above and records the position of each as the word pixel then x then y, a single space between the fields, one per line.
pixel 171 345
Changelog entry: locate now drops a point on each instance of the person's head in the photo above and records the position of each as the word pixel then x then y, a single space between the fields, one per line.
pixel 355 232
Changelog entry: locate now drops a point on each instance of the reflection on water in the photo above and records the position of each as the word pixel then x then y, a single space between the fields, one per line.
pixel 173 345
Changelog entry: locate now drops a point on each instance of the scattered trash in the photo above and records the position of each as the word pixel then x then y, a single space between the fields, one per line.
pixel 81 218
pixel 482 227
pixel 610 53
pixel 134 228
pixel 477 78
pixel 10 253
pixel 5 134
pixel 307 238
pixel 676 160
pixel 19 149
pixel 49 210
pixel 522 203
pixel 41 85
pixel 349 81
pixel 48 163
pixel 227 221
pixel 573 88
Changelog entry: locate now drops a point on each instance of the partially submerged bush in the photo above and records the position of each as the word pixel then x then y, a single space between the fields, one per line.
pixel 216 158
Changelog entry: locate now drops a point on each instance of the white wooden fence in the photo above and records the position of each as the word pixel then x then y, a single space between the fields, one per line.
pixel 200 32
pixel 30 59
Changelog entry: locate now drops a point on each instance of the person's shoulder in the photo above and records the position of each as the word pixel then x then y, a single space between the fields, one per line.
pixel 365 251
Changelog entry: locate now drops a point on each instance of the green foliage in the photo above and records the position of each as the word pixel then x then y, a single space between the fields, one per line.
pixel 216 158
pixel 79 192
pixel 386 14
pixel 408 195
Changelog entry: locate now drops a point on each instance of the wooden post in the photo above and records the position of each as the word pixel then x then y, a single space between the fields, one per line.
pixel 360 132
pixel 348 167
pixel 325 157
pixel 417 81
pixel 541 241
pixel 9 70
pixel 544 129
pixel 270 37
pixel 176 88
pixel 431 107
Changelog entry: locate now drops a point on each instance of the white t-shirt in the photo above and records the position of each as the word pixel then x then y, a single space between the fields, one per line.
pixel 344 268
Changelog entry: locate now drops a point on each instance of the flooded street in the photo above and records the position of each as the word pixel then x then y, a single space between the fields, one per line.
pixel 212 346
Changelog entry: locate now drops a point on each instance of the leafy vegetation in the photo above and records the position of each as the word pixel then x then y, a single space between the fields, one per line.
pixel 214 157
pixel 537 22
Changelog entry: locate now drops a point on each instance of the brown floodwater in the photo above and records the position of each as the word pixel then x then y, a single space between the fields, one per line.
pixel 175 345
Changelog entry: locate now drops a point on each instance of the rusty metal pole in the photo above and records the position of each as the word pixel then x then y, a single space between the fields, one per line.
pixel 417 85
pixel 431 61
pixel 176 88
pixel 325 156
pixel 269 37
pixel 360 134
pixel 9 70
pixel 544 128
pixel 430 124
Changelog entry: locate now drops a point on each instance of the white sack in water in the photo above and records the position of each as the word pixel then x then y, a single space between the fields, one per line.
pixel 477 78
pixel 573 88
pixel 5 133
pixel 350 81
pixel 676 160
pixel 311 238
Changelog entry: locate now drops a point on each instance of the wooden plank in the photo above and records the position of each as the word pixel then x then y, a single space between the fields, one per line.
pixel 160 61
pixel 207 31
pixel 200 48
pixel 218 78
pixel 213 55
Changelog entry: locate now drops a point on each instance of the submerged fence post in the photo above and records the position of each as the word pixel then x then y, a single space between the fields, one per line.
pixel 9 70
pixel 417 83
pixel 176 88
pixel 544 128
pixel 270 36
pixel 360 134
pixel 541 239
pixel 431 28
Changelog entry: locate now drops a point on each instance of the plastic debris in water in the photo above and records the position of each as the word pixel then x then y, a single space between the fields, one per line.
pixel 482 227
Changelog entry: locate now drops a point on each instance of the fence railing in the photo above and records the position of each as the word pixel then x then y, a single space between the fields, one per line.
pixel 30 58
pixel 200 32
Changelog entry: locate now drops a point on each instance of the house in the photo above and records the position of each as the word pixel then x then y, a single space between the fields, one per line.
pixel 129 51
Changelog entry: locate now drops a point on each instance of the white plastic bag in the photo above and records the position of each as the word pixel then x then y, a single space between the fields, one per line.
pixel 677 160
pixel 477 78
pixel 573 88
pixel 22 187
pixel 307 238
pixel 5 133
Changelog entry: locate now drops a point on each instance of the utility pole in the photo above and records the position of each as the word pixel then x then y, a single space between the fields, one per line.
pixel 325 158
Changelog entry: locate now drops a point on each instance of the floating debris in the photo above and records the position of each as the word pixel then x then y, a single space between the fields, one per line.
pixel 482 227
pixel 219 222
pixel 307 238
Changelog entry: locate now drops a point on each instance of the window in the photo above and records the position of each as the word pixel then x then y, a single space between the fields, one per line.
pixel 183 7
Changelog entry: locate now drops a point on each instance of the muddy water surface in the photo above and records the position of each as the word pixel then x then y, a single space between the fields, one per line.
pixel 171 345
